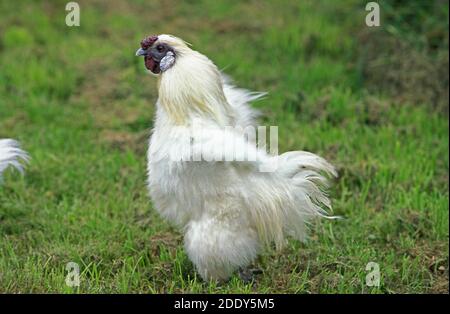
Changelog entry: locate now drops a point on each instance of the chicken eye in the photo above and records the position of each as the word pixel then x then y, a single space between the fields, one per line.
pixel 160 48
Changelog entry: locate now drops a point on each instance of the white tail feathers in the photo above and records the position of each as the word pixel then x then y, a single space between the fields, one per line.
pixel 298 162
pixel 301 179
pixel 11 155
pixel 308 175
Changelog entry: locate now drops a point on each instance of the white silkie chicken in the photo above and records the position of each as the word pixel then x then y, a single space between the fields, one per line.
pixel 227 209
pixel 11 155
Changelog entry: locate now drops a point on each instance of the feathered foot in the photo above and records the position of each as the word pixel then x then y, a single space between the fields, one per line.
pixel 248 275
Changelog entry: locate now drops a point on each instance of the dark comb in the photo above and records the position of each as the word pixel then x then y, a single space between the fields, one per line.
pixel 148 42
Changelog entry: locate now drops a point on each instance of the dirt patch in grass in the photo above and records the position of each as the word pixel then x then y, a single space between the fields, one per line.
pixel 438 266
pixel 100 80
pixel 435 257
pixel 123 116
pixel 409 75
pixel 122 140
pixel 169 239
pixel 440 285
pixel 20 118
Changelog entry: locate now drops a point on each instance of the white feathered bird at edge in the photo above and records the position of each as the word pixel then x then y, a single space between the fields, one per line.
pixel 11 155
pixel 227 211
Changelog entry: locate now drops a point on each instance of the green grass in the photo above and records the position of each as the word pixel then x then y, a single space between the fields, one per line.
pixel 82 105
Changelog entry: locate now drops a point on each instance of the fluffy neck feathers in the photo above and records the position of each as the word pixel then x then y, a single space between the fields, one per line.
pixel 193 87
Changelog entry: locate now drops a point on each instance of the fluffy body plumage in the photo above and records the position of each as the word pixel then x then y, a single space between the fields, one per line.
pixel 227 210
pixel 11 155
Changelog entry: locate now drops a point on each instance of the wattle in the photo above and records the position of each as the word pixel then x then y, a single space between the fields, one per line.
pixel 151 65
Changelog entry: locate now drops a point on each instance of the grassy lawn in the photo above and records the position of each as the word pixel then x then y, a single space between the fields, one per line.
pixel 373 101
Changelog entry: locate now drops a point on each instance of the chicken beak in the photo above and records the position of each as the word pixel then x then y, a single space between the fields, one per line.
pixel 141 52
